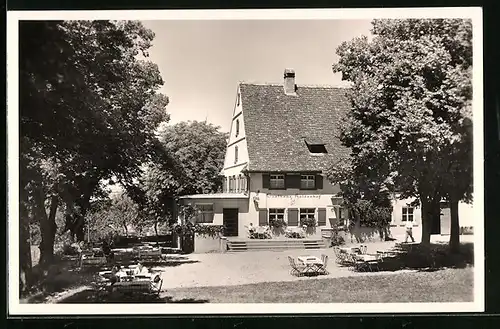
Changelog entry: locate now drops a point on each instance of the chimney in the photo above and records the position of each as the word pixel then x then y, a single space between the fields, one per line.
pixel 289 83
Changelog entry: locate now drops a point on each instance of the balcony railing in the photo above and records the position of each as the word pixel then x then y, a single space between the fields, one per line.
pixel 235 184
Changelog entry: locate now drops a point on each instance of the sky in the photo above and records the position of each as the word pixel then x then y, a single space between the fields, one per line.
pixel 202 61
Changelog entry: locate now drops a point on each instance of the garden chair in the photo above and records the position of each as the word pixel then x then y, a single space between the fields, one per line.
pixel 375 263
pixel 324 260
pixel 295 270
pixel 342 258
pixel 156 284
pixel 357 265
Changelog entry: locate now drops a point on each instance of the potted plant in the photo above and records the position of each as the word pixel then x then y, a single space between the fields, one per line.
pixel 309 225
pixel 309 222
pixel 277 225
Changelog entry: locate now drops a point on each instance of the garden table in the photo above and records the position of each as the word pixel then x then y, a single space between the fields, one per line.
pixel 368 257
pixel 312 263
pixel 350 249
pixel 142 282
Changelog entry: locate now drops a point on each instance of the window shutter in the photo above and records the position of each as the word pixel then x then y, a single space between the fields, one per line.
pixel 263 217
pixel 319 182
pixel 293 217
pixel 265 180
pixel 292 181
pixel 321 217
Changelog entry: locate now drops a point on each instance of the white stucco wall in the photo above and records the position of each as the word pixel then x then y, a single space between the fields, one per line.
pixel 230 166
pixel 466 213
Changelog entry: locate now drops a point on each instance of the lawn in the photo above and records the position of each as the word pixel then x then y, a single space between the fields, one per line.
pixel 447 285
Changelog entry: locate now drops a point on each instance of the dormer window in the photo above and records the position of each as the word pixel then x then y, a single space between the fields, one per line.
pixel 307 181
pixel 316 147
pixel 277 181
pixel 237 127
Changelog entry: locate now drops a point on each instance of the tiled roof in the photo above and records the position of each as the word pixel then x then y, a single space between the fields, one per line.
pixel 277 126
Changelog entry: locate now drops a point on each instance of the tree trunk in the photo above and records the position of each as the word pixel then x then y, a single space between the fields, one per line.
pixel 125 228
pixel 48 226
pixel 25 262
pixel 426 221
pixel 454 226
pixel 156 232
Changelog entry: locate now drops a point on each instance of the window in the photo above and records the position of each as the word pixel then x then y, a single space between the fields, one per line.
pixel 307 213
pixel 276 214
pixel 224 184
pixel 238 97
pixel 307 181
pixel 407 214
pixel 236 154
pixel 232 184
pixel 277 181
pixel 205 213
pixel 237 128
pixel 244 183
pixel 317 148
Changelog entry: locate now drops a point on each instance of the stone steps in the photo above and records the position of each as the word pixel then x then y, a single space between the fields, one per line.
pixel 249 245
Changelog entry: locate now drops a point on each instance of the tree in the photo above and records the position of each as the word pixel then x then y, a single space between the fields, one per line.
pixel 366 193
pixel 88 110
pixel 411 90
pixel 193 154
pixel 119 214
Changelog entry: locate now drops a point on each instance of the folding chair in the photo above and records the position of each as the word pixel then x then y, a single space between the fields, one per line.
pixel 295 270
pixel 378 259
pixel 342 258
pixel 156 284
pixel 358 265
pixel 324 260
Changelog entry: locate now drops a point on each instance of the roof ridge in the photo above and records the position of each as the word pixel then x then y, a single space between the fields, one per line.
pixel 274 84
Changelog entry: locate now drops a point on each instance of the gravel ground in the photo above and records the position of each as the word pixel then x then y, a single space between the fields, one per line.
pixel 236 268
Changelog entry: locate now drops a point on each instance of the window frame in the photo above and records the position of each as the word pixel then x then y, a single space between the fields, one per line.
pixel 406 214
pixel 202 213
pixel 310 178
pixel 274 213
pixel 307 212
pixel 275 186
pixel 237 128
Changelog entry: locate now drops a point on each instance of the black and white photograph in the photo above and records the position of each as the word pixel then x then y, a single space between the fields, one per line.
pixel 250 161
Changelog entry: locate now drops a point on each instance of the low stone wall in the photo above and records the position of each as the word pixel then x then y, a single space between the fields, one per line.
pixel 205 244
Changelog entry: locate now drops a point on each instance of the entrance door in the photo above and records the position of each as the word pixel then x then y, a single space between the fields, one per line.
pixel 230 221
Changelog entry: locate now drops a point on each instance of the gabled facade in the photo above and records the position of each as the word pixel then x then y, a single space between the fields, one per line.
pixel 283 138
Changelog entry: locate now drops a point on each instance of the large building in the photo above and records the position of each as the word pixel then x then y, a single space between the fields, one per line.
pixel 283 139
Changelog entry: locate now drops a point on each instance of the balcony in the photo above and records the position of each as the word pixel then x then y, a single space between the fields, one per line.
pixel 235 184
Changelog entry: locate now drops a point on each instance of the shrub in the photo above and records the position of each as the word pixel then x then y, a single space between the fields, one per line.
pixel 309 222
pixel 337 239
pixel 277 223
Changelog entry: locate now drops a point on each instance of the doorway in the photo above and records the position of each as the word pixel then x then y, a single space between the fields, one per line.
pixel 230 221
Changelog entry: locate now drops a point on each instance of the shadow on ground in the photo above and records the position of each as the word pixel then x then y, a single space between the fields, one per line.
pixel 428 258
pixel 65 274
pixel 92 296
